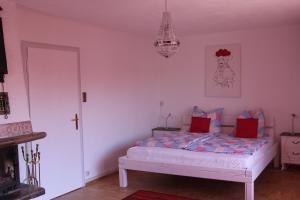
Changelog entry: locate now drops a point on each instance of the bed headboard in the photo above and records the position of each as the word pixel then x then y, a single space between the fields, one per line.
pixel 229 121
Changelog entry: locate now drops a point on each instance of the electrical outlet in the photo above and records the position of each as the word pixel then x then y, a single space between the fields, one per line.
pixel 161 103
pixel 87 173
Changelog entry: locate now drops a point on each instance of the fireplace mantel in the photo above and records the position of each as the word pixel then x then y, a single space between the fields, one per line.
pixel 8 141
pixel 18 133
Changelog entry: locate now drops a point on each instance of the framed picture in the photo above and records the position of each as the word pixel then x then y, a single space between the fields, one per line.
pixel 223 70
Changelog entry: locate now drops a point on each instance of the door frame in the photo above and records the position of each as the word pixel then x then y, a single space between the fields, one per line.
pixel 25 45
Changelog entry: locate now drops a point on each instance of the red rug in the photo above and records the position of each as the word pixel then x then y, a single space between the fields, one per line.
pixel 148 195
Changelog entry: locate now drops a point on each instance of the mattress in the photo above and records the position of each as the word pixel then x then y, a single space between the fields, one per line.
pixel 204 159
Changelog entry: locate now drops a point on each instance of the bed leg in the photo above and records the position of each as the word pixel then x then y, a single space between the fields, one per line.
pixel 276 161
pixel 123 177
pixel 249 191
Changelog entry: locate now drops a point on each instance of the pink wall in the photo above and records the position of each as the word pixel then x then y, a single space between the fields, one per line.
pixel 122 87
pixel 270 74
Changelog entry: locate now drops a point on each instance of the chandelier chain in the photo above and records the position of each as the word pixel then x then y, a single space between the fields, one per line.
pixel 166 5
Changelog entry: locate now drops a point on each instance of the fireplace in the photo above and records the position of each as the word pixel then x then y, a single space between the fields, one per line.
pixel 11 187
pixel 9 169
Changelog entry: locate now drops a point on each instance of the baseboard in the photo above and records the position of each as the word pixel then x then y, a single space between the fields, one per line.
pixel 102 174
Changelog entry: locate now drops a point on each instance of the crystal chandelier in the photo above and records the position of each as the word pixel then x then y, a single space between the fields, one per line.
pixel 166 43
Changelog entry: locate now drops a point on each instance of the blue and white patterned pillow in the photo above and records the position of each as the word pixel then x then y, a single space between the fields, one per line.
pixel 261 122
pixel 214 115
pixel 245 115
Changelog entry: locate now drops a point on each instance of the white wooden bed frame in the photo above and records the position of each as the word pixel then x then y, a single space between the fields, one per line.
pixel 246 176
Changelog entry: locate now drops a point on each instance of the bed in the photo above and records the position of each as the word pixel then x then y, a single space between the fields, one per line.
pixel 210 165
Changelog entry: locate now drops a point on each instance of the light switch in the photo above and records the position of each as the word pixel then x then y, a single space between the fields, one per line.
pixel 84 97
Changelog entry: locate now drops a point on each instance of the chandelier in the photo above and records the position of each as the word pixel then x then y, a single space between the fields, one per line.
pixel 166 43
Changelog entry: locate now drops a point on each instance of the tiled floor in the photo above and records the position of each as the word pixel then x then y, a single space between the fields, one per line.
pixel 272 184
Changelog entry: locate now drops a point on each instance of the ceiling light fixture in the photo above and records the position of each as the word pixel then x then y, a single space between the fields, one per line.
pixel 166 43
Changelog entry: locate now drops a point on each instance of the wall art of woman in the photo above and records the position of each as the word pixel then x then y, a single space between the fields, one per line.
pixel 224 76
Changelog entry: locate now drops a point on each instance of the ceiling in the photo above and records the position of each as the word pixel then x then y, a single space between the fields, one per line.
pixel 189 16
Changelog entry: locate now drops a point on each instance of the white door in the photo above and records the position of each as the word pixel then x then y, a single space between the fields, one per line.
pixel 54 98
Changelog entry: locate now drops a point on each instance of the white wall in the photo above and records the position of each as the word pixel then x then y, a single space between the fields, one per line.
pixel 270 74
pixel 122 86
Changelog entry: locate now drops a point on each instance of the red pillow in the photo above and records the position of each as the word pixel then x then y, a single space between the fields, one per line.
pixel 246 128
pixel 200 125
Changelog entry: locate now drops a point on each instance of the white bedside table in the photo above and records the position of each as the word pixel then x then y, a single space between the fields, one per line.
pixel 161 130
pixel 290 149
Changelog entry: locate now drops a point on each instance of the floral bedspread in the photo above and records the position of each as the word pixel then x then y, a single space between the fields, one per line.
pixel 205 142
pixel 173 140
pixel 222 143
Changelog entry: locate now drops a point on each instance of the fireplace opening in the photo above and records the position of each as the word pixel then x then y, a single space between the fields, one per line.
pixel 11 188
pixel 9 169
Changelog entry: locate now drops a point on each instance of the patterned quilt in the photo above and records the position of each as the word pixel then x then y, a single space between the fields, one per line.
pixel 218 143
pixel 222 143
pixel 171 140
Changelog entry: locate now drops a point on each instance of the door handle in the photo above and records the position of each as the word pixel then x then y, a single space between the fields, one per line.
pixel 76 119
